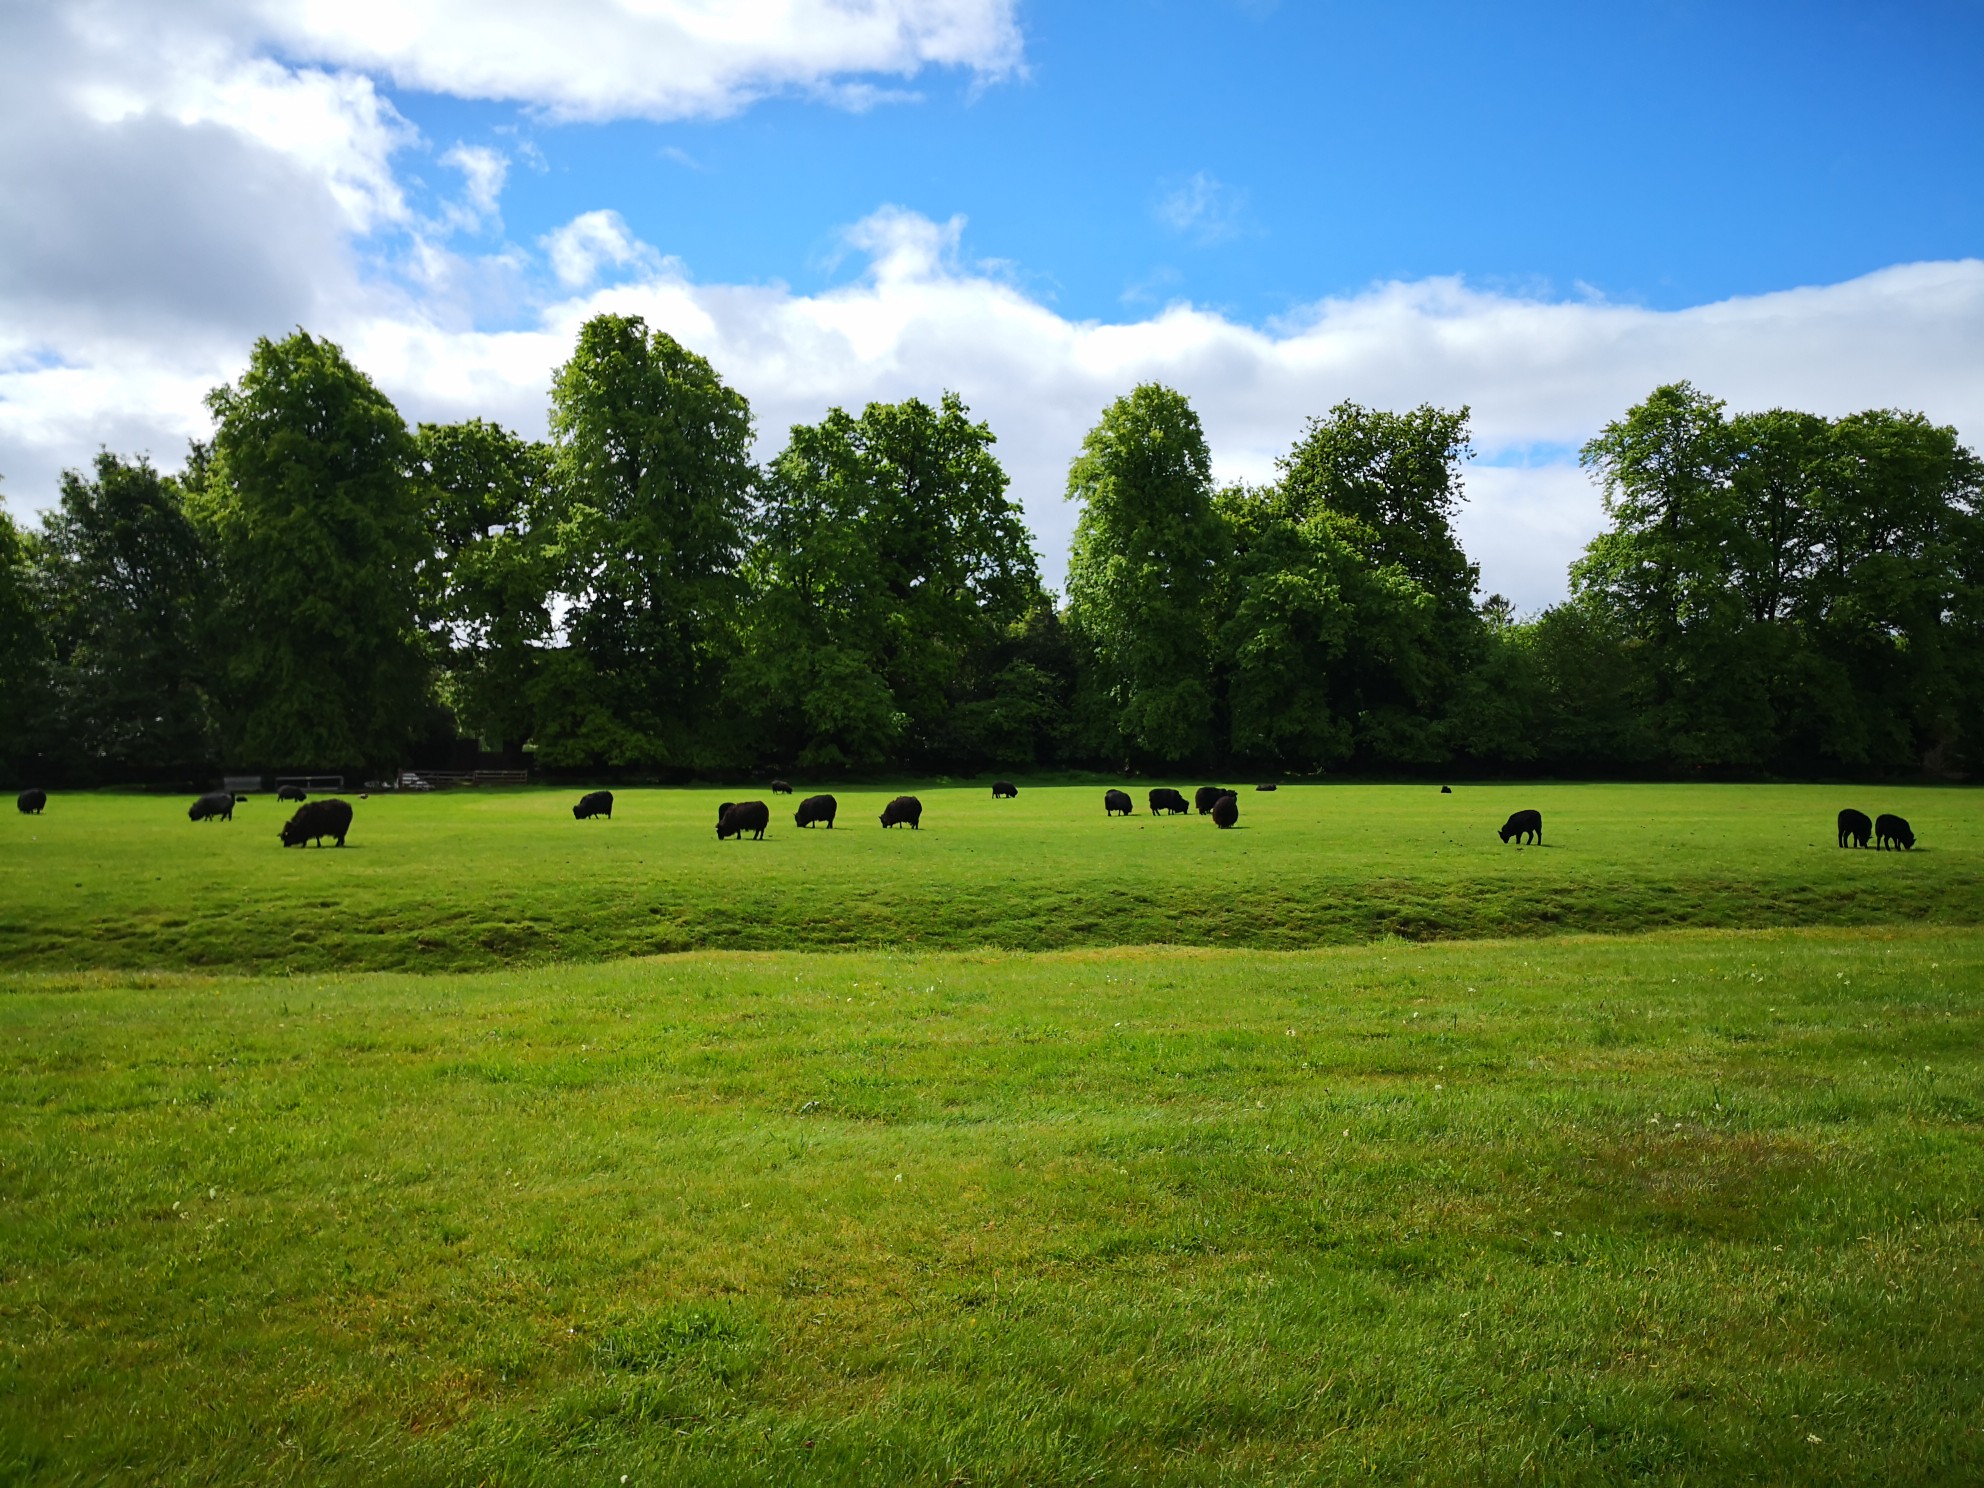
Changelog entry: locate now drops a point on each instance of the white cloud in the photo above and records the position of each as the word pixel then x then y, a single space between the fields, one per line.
pixel 228 167
pixel 115 64
pixel 1538 374
pixel 656 59
pixel 155 188
pixel 582 246
pixel 903 245
pixel 483 172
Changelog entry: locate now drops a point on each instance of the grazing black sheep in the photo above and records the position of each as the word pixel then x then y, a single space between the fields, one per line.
pixel 29 802
pixel 290 793
pixel 594 803
pixel 316 820
pixel 1004 790
pixel 1524 824
pixel 745 816
pixel 1226 811
pixel 1446 790
pixel 1266 787
pixel 214 805
pixel 1855 826
pixel 781 788
pixel 1117 803
pixel 1167 801
pixel 816 809
pixel 1207 795
pixel 1893 829
pixel 903 809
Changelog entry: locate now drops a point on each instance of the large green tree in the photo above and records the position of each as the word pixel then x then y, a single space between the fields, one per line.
pixel 1891 607
pixel 1372 495
pixel 317 528
pixel 1669 570
pixel 494 524
pixel 1398 474
pixel 1791 592
pixel 894 577
pixel 1140 579
pixel 126 581
pixel 652 457
pixel 23 655
pixel 1321 643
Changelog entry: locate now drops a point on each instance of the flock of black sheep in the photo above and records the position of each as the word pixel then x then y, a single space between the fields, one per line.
pixel 331 817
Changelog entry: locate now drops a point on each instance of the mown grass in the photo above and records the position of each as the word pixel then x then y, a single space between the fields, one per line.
pixel 1695 1207
pixel 464 880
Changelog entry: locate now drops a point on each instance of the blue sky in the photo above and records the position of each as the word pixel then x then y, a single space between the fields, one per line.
pixel 1539 211
pixel 1259 157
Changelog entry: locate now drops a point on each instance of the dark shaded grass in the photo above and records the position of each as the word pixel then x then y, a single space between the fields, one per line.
pixel 1700 1207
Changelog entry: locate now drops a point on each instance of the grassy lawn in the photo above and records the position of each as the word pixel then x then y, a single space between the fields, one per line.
pixel 1700 1206
pixel 458 881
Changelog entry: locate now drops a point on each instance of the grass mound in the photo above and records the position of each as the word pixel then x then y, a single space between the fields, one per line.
pixel 1696 1207
pixel 454 882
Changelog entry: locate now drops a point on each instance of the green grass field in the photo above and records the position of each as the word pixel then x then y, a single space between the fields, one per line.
pixel 340 1167
pixel 1698 1207
pixel 452 882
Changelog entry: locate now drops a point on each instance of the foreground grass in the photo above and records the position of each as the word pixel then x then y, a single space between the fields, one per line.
pixel 452 882
pixel 1695 1207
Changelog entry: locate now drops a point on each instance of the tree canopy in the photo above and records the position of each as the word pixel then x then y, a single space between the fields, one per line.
pixel 889 565
pixel 652 454
pixel 1140 578
pixel 125 584
pixel 1774 592
pixel 317 534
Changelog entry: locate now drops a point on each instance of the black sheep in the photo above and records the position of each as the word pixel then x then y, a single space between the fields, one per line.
pixel 1893 829
pixel 781 788
pixel 214 805
pixel 29 802
pixel 903 809
pixel 1207 796
pixel 1117 803
pixel 1167 801
pixel 816 809
pixel 291 793
pixel 594 803
pixel 742 817
pixel 316 820
pixel 1524 824
pixel 1004 790
pixel 1266 787
pixel 1854 826
pixel 1226 811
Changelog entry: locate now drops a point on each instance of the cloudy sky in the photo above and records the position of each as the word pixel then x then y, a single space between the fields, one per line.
pixel 1539 211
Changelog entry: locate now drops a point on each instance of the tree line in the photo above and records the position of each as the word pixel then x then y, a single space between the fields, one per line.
pixel 323 587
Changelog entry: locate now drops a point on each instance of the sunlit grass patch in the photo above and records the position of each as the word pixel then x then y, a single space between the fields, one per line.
pixel 1698 1206
pixel 460 881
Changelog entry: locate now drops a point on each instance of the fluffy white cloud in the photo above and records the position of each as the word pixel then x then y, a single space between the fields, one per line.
pixel 657 59
pixel 177 179
pixel 1541 376
pixel 592 240
pixel 483 172
pixel 109 64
